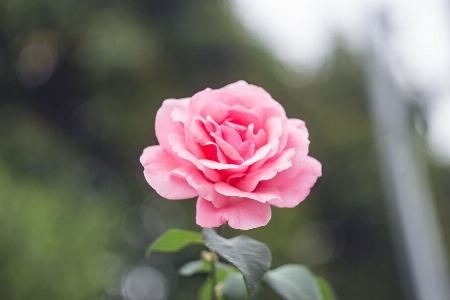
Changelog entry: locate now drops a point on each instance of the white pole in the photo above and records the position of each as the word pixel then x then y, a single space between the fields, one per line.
pixel 413 218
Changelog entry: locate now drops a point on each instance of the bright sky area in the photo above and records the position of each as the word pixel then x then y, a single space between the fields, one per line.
pixel 301 32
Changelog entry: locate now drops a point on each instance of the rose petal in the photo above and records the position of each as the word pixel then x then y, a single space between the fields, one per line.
pixel 217 111
pixel 178 146
pixel 231 136
pixel 204 188
pixel 217 165
pixel 260 154
pixel 199 133
pixel 259 139
pixel 297 139
pixel 212 126
pixel 253 96
pixel 215 152
pixel 227 149
pixel 164 124
pixel 274 131
pixel 297 189
pixel 246 149
pixel 270 170
pixel 241 129
pixel 179 116
pixel 261 194
pixel 205 97
pixel 158 165
pixel 240 213
pixel 299 124
pixel 241 115
pixel 284 135
pixel 192 146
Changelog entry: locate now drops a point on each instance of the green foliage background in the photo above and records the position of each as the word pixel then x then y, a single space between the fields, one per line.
pixel 72 196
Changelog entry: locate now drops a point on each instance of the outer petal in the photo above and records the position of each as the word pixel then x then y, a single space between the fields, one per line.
pixel 238 93
pixel 158 165
pixel 204 98
pixel 253 96
pixel 274 130
pixel 260 194
pixel 217 111
pixel 205 189
pixel 241 213
pixel 164 123
pixel 297 189
pixel 298 140
pixel 268 171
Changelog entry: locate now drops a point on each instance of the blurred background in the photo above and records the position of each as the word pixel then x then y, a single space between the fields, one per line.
pixel 80 83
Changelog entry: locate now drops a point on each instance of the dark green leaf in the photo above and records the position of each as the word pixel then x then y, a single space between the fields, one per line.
pixel 250 257
pixel 233 288
pixel 293 282
pixel 174 240
pixel 326 289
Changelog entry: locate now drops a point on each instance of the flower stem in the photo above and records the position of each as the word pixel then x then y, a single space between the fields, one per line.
pixel 213 279
pixel 213 259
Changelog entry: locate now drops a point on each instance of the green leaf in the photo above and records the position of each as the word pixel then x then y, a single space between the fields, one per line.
pixel 201 266
pixel 233 288
pixel 174 240
pixel 293 282
pixel 221 274
pixel 250 257
pixel 205 291
pixel 192 267
pixel 326 289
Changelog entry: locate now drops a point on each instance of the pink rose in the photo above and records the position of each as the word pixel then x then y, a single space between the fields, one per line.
pixel 236 150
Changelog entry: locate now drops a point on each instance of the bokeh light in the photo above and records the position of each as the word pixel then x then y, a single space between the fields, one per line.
pixel 36 64
pixel 144 283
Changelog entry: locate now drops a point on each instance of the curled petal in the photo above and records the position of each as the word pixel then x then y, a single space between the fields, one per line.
pixel 215 152
pixel 228 149
pixel 299 124
pixel 244 116
pixel 241 213
pixel 203 99
pixel 298 140
pixel 217 165
pixel 204 188
pixel 274 131
pixel 164 122
pixel 241 129
pixel 259 155
pixel 252 96
pixel 246 149
pixel 297 189
pixel 231 136
pixel 199 133
pixel 259 139
pixel 192 146
pixel 261 194
pixel 179 147
pixel 269 171
pixel 158 165
pixel 217 111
